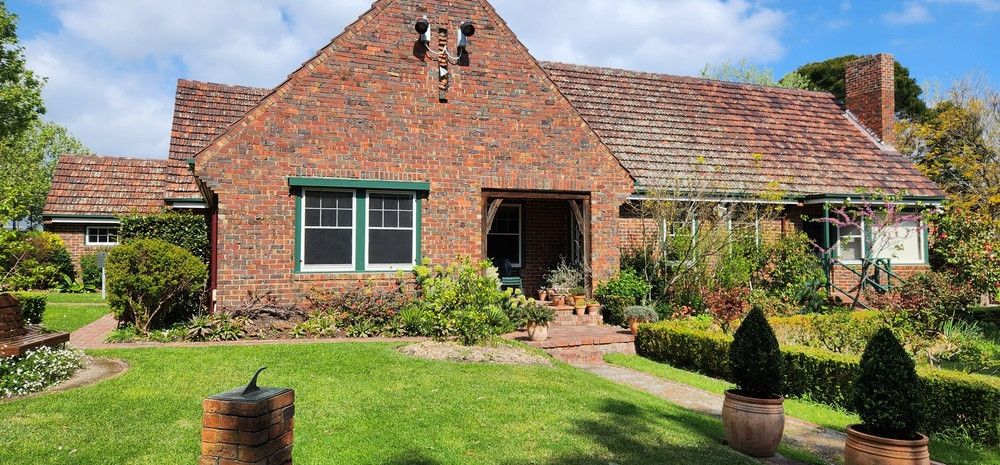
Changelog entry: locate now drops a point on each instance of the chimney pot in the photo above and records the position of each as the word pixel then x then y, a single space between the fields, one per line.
pixel 869 85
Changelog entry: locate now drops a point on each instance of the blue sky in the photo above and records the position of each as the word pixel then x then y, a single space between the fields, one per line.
pixel 112 64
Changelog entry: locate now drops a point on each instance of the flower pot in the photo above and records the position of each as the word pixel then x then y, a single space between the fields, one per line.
pixel 868 449
pixel 558 300
pixel 542 294
pixel 633 325
pixel 593 309
pixel 580 300
pixel 753 426
pixel 579 309
pixel 538 333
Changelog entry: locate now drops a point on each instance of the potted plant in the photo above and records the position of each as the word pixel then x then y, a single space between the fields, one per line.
pixel 558 299
pixel 579 295
pixel 753 414
pixel 562 280
pixel 579 305
pixel 542 294
pixel 593 307
pixel 537 318
pixel 885 397
pixel 636 314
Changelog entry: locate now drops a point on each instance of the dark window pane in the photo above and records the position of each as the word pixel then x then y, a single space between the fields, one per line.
pixel 391 220
pixel 312 217
pixel 499 248
pixel 406 203
pixel 406 219
pixel 329 218
pixel 390 202
pixel 328 247
pixel 376 202
pixel 344 218
pixel 387 246
pixel 312 200
pixel 375 219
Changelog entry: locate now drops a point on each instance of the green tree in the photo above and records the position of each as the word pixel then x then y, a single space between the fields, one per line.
pixel 828 75
pixel 746 73
pixel 20 90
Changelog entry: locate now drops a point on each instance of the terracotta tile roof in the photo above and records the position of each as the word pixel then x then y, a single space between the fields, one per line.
pixel 669 130
pixel 204 110
pixel 101 185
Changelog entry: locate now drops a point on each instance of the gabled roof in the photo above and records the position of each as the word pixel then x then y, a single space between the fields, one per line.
pixel 108 186
pixel 203 111
pixel 671 131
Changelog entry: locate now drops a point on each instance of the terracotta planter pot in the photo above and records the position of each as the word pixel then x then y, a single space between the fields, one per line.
pixel 593 309
pixel 753 426
pixel 633 325
pixel 558 300
pixel 542 295
pixel 580 300
pixel 538 333
pixel 867 449
pixel 579 309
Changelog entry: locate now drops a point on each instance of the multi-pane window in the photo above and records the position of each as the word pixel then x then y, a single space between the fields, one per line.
pixel 901 243
pixel 328 230
pixel 391 231
pixel 102 235
pixel 504 239
pixel 850 243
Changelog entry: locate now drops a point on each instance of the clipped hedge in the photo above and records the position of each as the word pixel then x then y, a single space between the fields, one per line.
pixel 953 403
pixel 186 230
pixel 32 306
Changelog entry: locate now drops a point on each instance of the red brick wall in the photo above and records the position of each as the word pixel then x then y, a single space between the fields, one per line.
pixel 368 108
pixel 546 238
pixel 870 93
pixel 74 236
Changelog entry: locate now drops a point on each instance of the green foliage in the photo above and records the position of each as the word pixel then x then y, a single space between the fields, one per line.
pixel 927 300
pixel 218 326
pixel 363 310
pixel 33 260
pixel 534 313
pixel 20 89
pixel 948 401
pixel 841 332
pixel 32 306
pixel 966 243
pixel 37 370
pixel 91 272
pixel 746 73
pixel 624 289
pixel 187 230
pixel 154 284
pixel 640 313
pixel 786 265
pixel 885 393
pixel 69 286
pixel 754 357
pixel 564 278
pixel 726 306
pixel 462 300
pixel 829 75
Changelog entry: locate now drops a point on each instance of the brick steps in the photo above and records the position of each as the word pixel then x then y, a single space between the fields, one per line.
pixel 566 316
pixel 584 344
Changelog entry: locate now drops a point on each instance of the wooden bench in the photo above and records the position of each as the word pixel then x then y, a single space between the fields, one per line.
pixel 18 345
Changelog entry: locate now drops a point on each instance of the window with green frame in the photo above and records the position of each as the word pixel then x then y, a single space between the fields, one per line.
pixel 350 229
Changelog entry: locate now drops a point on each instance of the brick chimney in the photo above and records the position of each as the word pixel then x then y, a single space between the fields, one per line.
pixel 871 97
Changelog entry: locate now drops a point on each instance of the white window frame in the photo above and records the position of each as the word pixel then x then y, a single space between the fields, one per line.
pixel 86 236
pixel 864 245
pixel 303 266
pixel 756 230
pixel 412 228
pixel 520 230
pixel 921 230
pixel 667 234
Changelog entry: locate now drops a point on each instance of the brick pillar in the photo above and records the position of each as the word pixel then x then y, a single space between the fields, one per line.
pixel 869 85
pixel 255 429
pixel 11 324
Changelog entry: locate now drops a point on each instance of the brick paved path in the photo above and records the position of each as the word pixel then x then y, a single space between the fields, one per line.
pixel 92 335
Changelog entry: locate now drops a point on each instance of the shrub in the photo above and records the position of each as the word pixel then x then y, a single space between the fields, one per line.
pixel 755 358
pixel 786 265
pixel 32 307
pixel 948 401
pixel 462 300
pixel 624 289
pixel 534 313
pixel 33 260
pixel 90 271
pixel 154 284
pixel 217 327
pixel 885 393
pixel 928 299
pixel 564 277
pixel 362 311
pixel 36 370
pixel 965 242
pixel 640 313
pixel 186 230
pixel 726 306
pixel 841 332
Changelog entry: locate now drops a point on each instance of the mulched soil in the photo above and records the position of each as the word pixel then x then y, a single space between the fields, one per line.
pixel 452 351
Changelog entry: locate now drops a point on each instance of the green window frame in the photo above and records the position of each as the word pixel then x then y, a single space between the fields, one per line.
pixel 300 186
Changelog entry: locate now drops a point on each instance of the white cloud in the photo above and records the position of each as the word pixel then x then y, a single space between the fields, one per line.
pixel 912 13
pixel 984 5
pixel 113 64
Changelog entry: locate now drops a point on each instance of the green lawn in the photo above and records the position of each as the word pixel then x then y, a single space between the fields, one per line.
pixel 362 403
pixel 820 414
pixel 68 312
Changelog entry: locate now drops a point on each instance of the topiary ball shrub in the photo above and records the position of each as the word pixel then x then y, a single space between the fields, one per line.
pixel 885 393
pixel 154 284
pixel 754 357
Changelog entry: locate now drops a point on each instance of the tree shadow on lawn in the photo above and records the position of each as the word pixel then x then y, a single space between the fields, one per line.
pixel 627 435
pixel 412 457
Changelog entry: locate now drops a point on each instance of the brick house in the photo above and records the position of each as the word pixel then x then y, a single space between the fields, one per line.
pixel 380 151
